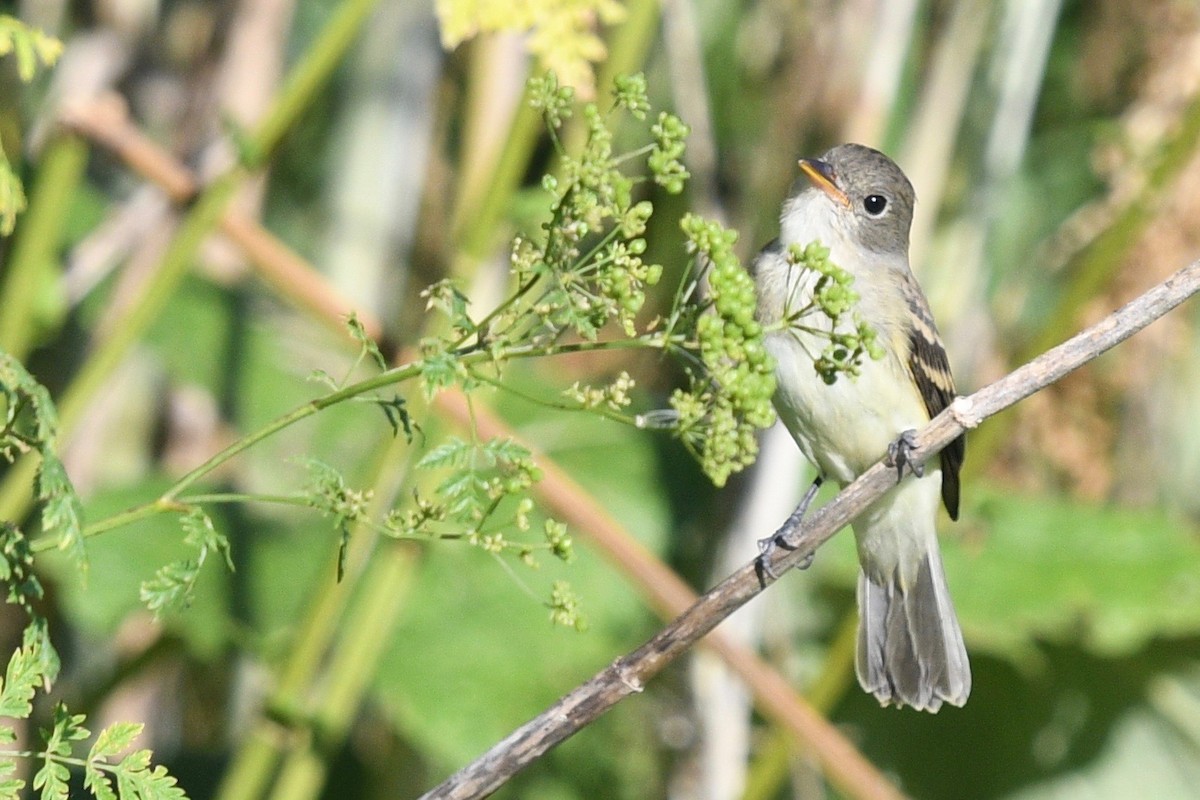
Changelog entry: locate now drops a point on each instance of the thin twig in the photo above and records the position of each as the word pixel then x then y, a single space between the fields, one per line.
pixel 629 673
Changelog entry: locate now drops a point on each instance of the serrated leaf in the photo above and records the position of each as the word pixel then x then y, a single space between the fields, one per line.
pixel 67 728
pixel 36 639
pixel 396 411
pixel 136 761
pixel 61 511
pixel 505 450
pixel 135 778
pixel 172 586
pixel 61 514
pixel 158 784
pixel 453 452
pixel 11 788
pixel 202 534
pixel 52 779
pixel 21 679
pixel 439 369
pixel 98 783
pixel 113 739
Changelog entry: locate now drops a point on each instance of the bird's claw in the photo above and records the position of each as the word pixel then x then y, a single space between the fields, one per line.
pixel 899 455
pixel 782 538
pixel 766 548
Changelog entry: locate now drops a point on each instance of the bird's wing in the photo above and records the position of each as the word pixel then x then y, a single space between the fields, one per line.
pixel 930 370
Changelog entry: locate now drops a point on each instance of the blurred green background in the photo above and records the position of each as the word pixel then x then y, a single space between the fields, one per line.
pixel 1054 147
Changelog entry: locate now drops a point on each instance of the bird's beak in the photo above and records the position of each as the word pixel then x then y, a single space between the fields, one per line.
pixel 822 176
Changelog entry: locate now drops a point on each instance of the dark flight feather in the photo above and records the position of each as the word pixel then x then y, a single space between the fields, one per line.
pixel 930 370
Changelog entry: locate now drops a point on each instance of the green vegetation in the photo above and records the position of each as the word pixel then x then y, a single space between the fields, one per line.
pixel 299 513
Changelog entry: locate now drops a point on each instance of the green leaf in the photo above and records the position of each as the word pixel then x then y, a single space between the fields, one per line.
pixel 135 779
pixel 396 411
pixel 114 739
pixel 11 788
pixel 98 783
pixel 67 728
pixel 173 585
pixel 126 557
pixel 453 452
pixel 16 567
pixel 61 509
pixel 36 639
pixel 369 348
pixel 38 429
pixel 21 679
pixel 439 367
pixel 52 779
pixel 200 533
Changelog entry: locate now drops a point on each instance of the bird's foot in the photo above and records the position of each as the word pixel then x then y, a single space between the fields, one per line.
pixel 782 539
pixel 785 538
pixel 899 455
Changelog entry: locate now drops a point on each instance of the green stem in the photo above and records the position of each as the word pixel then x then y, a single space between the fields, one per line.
pixel 478 228
pixel 602 410
pixel 307 410
pixel 240 497
pixel 154 297
pixel 480 331
pixel 308 77
pixel 35 252
pixel 356 656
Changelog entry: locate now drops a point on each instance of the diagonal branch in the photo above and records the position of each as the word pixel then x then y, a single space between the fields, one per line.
pixel 629 673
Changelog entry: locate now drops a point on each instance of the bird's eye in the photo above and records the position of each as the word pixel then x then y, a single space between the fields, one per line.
pixel 874 204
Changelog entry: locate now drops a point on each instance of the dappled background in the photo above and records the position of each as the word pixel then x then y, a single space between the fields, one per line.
pixel 1055 150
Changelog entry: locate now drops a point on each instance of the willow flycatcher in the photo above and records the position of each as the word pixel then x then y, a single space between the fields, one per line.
pixel 856 202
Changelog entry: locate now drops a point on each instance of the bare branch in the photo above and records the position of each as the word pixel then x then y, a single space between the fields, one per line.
pixel 629 673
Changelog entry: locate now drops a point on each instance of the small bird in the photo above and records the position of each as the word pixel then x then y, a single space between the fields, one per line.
pixel 857 203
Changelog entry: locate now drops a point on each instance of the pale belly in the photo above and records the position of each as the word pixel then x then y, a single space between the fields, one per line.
pixel 845 427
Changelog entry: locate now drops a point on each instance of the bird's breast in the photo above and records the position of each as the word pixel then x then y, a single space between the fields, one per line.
pixel 844 427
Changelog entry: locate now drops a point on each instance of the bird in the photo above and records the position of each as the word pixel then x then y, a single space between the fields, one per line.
pixel 856 202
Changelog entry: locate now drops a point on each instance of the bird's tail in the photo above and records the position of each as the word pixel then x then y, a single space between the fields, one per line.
pixel 910 647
